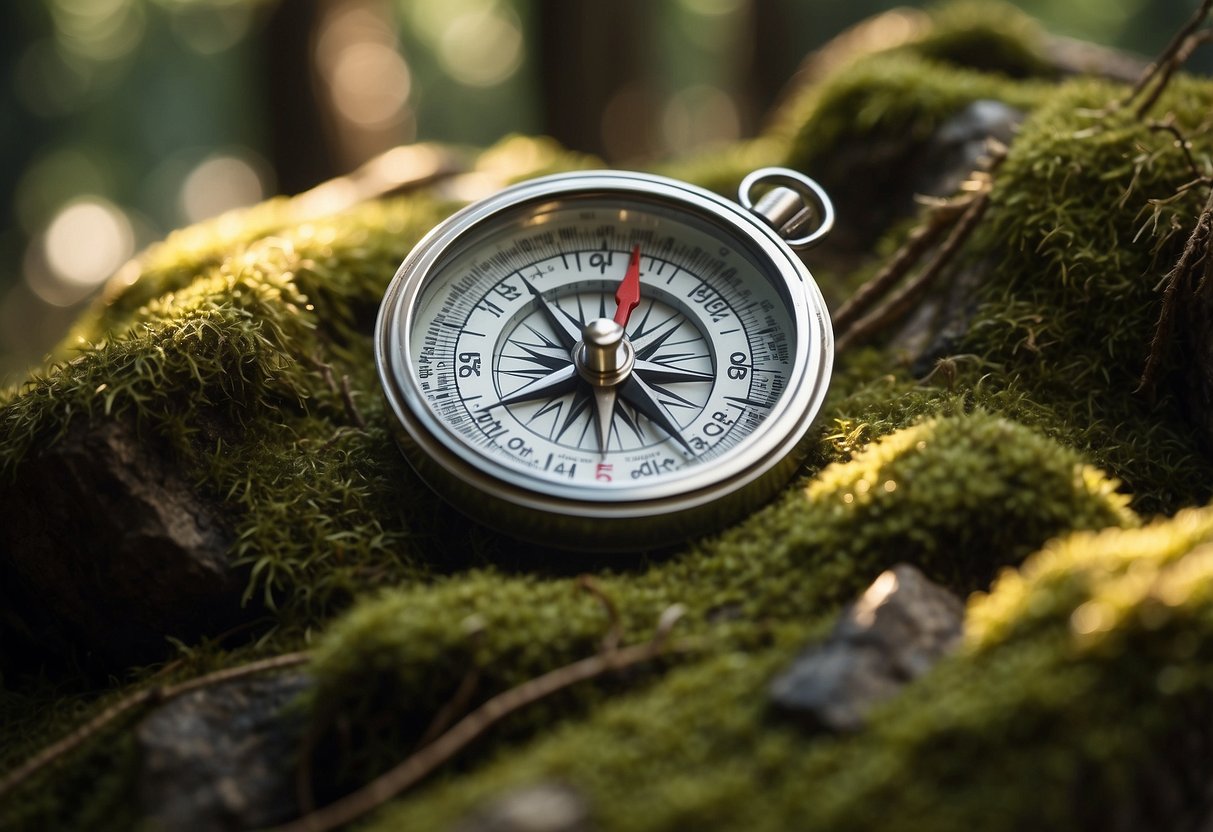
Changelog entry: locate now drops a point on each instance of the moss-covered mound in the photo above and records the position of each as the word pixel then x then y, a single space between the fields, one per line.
pixel 961 496
pixel 242 347
pixel 1080 702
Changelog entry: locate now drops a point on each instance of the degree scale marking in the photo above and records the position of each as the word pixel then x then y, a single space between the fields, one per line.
pixel 694 255
pixel 697 259
pixel 460 300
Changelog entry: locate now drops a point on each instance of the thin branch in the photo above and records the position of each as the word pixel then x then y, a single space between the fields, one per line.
pixel 1196 249
pixel 897 305
pixel 347 396
pixel 1172 49
pixel 459 702
pixel 472 726
pixel 152 695
pixel 1168 125
pixel 1181 56
pixel 615 634
pixel 916 245
pixel 76 738
pixel 325 370
pixel 943 216
pixel 232 673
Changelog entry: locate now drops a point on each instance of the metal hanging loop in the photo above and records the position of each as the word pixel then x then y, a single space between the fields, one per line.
pixel 787 208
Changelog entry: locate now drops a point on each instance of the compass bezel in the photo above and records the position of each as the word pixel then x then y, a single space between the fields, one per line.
pixel 503 496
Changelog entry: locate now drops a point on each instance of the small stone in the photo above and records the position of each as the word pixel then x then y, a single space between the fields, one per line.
pixel 544 807
pixel 898 629
pixel 219 759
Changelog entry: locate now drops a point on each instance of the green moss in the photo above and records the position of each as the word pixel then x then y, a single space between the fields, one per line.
pixel 1079 675
pixel 893 95
pixel 95 786
pixel 960 496
pixel 241 371
pixel 105 772
pixel 969 52
pixel 517 158
pixel 1075 244
pixel 231 341
pixel 987 36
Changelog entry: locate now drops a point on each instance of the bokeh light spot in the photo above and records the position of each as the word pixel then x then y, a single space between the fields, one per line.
pixel 102 30
pixel 370 83
pixel 482 48
pixel 210 28
pixel 712 8
pixel 54 180
pixel 87 241
pixel 220 183
pixel 699 116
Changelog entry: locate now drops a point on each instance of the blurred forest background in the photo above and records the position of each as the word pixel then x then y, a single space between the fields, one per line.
pixel 124 119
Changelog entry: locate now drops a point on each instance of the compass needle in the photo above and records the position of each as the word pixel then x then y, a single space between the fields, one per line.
pixel 604 406
pixel 655 373
pixel 603 360
pixel 555 383
pixel 565 328
pixel 627 296
pixel 640 396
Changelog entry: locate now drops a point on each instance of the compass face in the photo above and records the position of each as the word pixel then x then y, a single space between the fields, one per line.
pixel 604 343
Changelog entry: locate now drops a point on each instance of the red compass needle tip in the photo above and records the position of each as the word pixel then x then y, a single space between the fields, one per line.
pixel 627 296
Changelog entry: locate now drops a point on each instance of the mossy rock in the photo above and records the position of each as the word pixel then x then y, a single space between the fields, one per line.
pixel 243 348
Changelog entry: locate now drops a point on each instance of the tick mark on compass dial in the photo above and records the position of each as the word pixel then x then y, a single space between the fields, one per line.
pixel 604 347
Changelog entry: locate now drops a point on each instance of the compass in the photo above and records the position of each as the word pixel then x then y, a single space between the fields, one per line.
pixel 609 360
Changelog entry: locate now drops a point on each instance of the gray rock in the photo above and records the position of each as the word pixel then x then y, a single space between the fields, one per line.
pixel 876 181
pixel 105 545
pixel 221 759
pixel 956 148
pixel 895 632
pixel 544 807
pixel 946 311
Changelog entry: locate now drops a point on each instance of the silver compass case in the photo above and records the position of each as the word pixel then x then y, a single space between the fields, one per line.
pixel 559 244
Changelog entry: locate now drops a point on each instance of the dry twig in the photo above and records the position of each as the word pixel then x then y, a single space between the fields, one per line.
pixel 856 320
pixel 919 242
pixel 1168 125
pixel 459 702
pixel 615 634
pixel 1168 69
pixel 472 726
pixel 897 305
pixel 347 397
pixel 326 372
pixel 1194 255
pixel 1176 53
pixel 147 696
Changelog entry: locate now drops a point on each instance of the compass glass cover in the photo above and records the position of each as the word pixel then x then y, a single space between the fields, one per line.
pixel 492 333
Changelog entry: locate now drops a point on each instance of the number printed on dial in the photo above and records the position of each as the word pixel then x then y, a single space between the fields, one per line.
pixel 507 361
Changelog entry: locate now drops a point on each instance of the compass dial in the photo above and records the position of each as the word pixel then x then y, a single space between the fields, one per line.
pixel 601 346
pixel 673 355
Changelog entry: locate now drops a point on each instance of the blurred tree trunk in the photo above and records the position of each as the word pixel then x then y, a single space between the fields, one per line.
pixel 300 149
pixel 590 52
